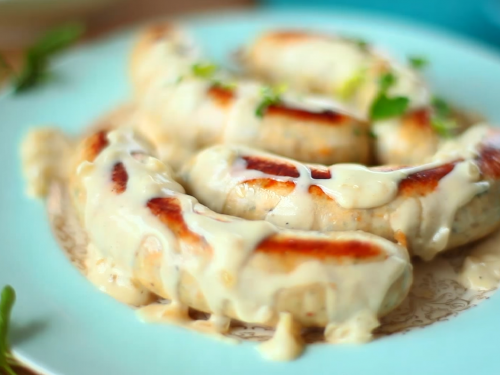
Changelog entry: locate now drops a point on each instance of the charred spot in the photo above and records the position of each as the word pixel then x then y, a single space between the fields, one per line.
pixel 169 211
pixel 326 117
pixel 424 182
pixel 271 167
pixel 119 176
pixel 319 173
pixel 316 191
pixel 489 160
pixel 223 96
pixel 419 117
pixel 96 143
pixel 269 183
pixel 320 248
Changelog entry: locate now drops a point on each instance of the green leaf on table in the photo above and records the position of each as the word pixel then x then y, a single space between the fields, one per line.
pixel 7 299
pixel 36 60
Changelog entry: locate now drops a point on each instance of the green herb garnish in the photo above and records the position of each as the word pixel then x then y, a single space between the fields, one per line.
pixel 7 299
pixel 386 81
pixel 204 70
pixel 385 106
pixel 441 121
pixel 441 107
pixel 224 85
pixel 350 86
pixel 36 59
pixel 270 95
pixel 444 127
pixel 418 62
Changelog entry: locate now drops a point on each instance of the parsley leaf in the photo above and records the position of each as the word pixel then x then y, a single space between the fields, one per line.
pixel 36 59
pixel 7 299
pixel 418 62
pixel 204 70
pixel 386 81
pixel 386 107
pixel 270 95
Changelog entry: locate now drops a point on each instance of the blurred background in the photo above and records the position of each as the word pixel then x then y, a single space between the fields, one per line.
pixel 22 20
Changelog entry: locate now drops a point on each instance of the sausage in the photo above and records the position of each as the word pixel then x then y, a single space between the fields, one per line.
pixel 181 112
pixel 331 65
pixel 448 202
pixel 158 241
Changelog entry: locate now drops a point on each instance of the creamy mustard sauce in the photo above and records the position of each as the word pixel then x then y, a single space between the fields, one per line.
pixel 481 268
pixel 286 343
pixel 120 226
pixel 179 115
pixel 44 153
pixel 426 219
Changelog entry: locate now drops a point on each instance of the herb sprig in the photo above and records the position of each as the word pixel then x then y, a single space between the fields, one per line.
pixel 385 106
pixel 36 59
pixel 270 95
pixel 7 360
pixel 442 121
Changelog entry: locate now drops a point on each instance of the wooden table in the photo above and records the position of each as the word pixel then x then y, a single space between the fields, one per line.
pixel 128 12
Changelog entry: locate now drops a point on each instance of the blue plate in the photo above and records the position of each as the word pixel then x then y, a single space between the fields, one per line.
pixel 63 325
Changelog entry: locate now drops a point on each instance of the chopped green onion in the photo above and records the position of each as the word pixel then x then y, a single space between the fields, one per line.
pixel 386 81
pixel 444 127
pixel 204 70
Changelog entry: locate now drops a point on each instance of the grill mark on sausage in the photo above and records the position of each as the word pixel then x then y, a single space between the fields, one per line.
pixel 223 96
pixel 319 248
pixel 284 36
pixel 271 167
pixel 119 176
pixel 424 182
pixel 319 173
pixel 169 211
pixel 281 168
pixel 489 155
pixel 286 187
pixel 324 118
